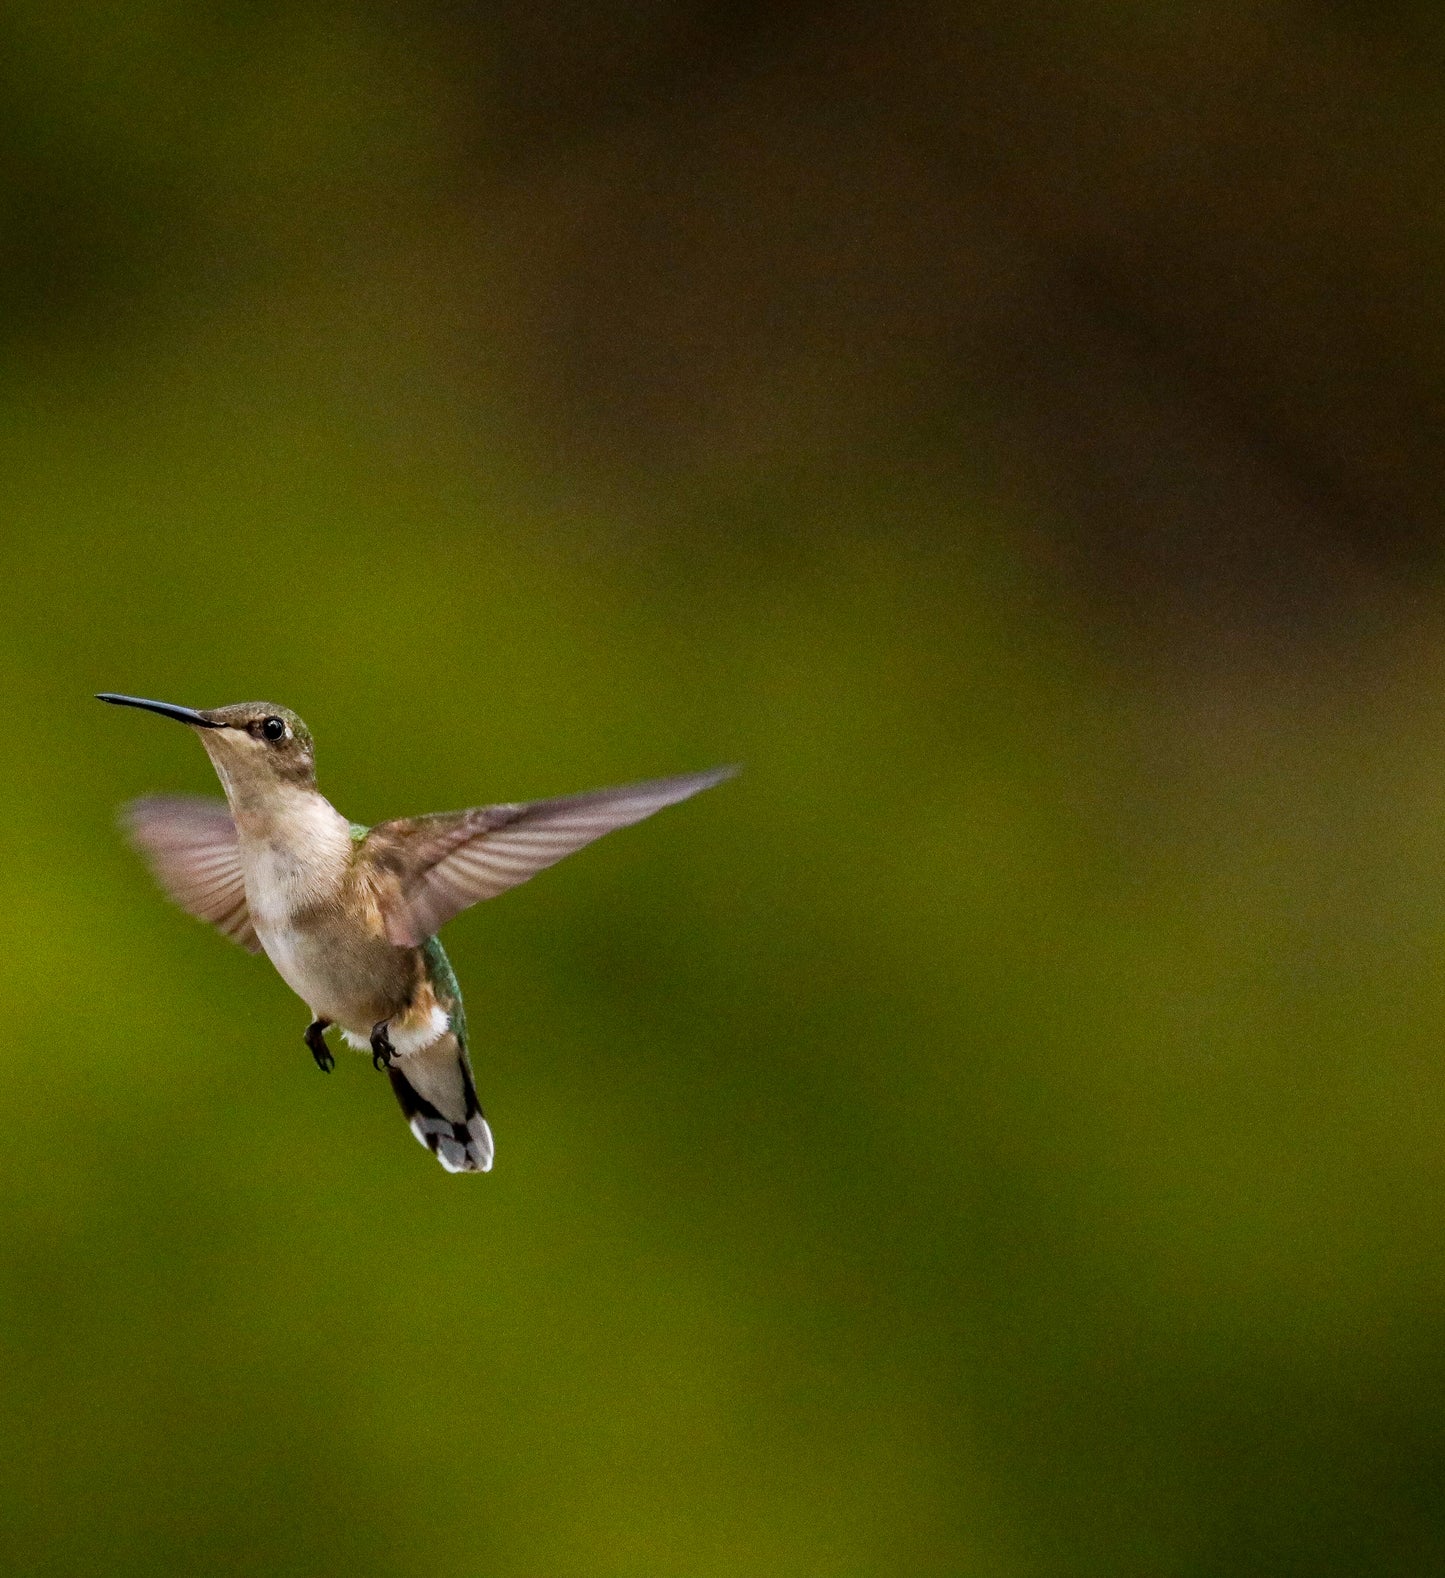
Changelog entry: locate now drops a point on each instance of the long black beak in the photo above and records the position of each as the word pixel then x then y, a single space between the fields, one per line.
pixel 166 710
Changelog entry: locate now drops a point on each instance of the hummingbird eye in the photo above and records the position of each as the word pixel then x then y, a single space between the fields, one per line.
pixel 273 729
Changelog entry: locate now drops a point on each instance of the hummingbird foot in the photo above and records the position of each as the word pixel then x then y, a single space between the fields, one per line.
pixel 319 1049
pixel 382 1051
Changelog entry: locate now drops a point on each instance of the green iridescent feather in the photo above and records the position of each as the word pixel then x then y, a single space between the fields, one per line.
pixel 443 978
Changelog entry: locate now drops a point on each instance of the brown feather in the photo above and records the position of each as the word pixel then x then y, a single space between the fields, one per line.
pixel 191 846
pixel 445 863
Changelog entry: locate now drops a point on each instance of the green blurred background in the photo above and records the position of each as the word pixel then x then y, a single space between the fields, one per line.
pixel 1001 1134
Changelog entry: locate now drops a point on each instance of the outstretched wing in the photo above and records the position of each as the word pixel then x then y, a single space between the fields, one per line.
pixel 191 846
pixel 449 862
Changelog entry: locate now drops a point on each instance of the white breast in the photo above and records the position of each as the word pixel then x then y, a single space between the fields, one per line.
pixel 295 860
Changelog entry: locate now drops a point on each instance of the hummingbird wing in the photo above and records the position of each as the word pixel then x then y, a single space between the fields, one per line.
pixel 191 846
pixel 447 863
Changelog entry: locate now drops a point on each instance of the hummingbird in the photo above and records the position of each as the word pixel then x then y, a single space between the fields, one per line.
pixel 349 914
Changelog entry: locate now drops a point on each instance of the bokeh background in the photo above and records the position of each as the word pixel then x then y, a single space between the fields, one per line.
pixel 999 1135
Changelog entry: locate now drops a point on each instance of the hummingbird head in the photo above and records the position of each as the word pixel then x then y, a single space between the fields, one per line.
pixel 256 746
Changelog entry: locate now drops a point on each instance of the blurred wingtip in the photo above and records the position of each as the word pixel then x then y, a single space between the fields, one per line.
pixel 716 775
pixel 133 817
pixel 131 814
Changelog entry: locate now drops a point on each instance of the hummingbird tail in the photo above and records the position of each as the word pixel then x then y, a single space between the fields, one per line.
pixel 434 1087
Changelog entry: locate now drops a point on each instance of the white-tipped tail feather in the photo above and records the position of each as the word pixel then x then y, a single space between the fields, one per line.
pixel 434 1087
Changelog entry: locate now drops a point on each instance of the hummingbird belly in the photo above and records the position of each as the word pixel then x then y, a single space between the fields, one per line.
pixel 348 977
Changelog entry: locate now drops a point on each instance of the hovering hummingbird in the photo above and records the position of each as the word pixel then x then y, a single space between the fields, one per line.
pixel 349 914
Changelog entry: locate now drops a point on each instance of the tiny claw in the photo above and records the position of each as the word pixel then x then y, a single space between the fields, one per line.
pixel 315 1039
pixel 382 1051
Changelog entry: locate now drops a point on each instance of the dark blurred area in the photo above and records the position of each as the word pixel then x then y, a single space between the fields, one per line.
pixel 1001 1134
pixel 1161 277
